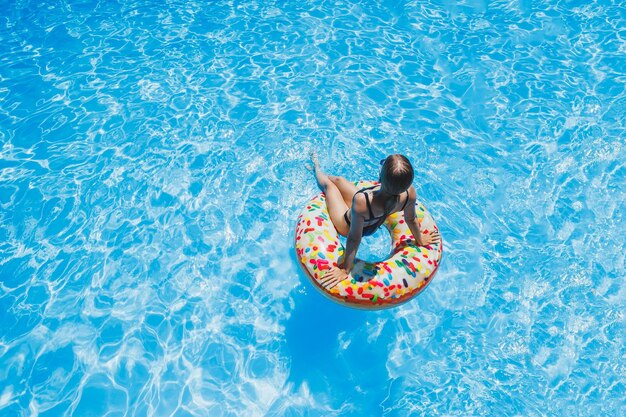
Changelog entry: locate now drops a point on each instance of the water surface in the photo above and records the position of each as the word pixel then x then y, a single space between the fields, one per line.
pixel 151 172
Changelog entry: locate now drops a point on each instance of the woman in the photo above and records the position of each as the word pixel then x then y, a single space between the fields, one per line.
pixel 356 213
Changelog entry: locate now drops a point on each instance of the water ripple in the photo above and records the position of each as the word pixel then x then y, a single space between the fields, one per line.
pixel 151 167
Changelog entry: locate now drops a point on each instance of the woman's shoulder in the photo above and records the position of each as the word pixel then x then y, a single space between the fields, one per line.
pixel 412 193
pixel 359 203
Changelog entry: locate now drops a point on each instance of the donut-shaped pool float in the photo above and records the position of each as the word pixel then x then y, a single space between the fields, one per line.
pixel 370 285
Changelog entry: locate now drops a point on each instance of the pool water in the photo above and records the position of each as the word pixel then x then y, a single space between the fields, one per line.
pixel 152 167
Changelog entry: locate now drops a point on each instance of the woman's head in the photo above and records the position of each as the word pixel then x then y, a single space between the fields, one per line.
pixel 396 174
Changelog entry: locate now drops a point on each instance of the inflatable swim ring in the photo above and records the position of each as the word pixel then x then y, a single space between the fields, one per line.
pixel 397 279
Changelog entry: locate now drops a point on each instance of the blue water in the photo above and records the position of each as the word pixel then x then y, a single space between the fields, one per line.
pixel 151 170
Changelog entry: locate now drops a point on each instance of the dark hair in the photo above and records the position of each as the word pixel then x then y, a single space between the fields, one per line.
pixel 396 176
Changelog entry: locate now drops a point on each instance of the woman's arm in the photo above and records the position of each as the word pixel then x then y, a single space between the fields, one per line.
pixel 353 241
pixel 335 275
pixel 414 226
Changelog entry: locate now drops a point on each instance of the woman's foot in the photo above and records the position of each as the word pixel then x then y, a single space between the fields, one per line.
pixel 322 179
pixel 316 165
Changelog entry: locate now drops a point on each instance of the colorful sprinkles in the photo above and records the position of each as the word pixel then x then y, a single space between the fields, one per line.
pixel 371 285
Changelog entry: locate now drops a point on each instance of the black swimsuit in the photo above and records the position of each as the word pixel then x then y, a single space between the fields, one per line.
pixel 371 228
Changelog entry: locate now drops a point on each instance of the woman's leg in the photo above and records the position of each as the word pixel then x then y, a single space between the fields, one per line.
pixel 334 200
pixel 346 188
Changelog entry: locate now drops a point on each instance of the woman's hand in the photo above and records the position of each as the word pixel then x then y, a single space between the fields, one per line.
pixel 333 277
pixel 427 239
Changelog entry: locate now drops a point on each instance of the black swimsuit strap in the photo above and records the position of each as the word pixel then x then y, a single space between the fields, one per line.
pixel 367 200
pixel 371 228
pixel 405 201
pixel 369 206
